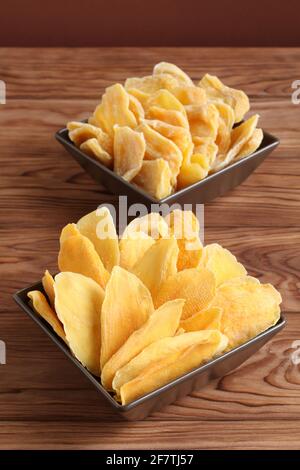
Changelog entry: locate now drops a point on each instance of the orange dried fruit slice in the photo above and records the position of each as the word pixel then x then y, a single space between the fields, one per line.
pixel 132 249
pixel 190 95
pixel 207 319
pixel 251 145
pixel 70 230
pixel 41 306
pixel 174 71
pixel 129 151
pixel 48 285
pixel 175 118
pixel 203 120
pixel 150 84
pixel 92 148
pixel 155 178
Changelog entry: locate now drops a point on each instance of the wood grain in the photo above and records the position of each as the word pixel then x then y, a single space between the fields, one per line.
pixel 42 188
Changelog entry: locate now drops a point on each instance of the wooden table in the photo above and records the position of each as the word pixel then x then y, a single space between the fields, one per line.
pixel 45 401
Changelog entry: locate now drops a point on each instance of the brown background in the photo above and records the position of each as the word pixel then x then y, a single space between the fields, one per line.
pixel 149 23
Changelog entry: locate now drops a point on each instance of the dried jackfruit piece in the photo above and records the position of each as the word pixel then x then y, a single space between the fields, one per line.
pixel 203 120
pixel 166 359
pixel 78 301
pixel 140 95
pixel 157 265
pixel 173 70
pixel 42 307
pixel 129 151
pixel 175 118
pixel 157 146
pixel 190 95
pixel 92 148
pixel 251 145
pixel 217 91
pixel 226 122
pixel 150 84
pixel 207 319
pixel 166 100
pixel 179 135
pixel 80 132
pixel 196 286
pixel 132 249
pixel 152 224
pixel 162 323
pixel 70 230
pixel 114 109
pixel 136 108
pixel 77 254
pixel 249 308
pixel 239 136
pixel 155 178
pixel 48 285
pixel 221 262
pixel 126 307
pixel 184 226
pixel 98 226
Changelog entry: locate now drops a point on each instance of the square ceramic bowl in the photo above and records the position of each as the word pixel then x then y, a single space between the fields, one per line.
pixel 169 393
pixel 212 186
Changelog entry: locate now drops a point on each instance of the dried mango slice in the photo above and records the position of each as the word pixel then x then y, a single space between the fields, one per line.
pixel 249 308
pixel 217 91
pixel 207 319
pixel 129 151
pixel 151 224
pixel 174 71
pixel 150 84
pixel 78 301
pixel 251 145
pixel 155 178
pixel 157 146
pixel 166 100
pixel 136 108
pixel 190 95
pixel 126 307
pixel 77 254
pixel 98 226
pixel 92 148
pixel 239 136
pixel 203 120
pixel 140 95
pixel 80 132
pixel 196 286
pixel 114 109
pixel 226 122
pixel 70 230
pixel 157 264
pixel 175 118
pixel 162 323
pixel 48 285
pixel 166 359
pixel 221 262
pixel 184 226
pixel 179 135
pixel 42 307
pixel 132 249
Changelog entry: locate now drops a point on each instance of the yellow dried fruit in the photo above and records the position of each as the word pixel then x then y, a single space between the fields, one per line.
pixel 166 359
pixel 80 132
pixel 155 178
pixel 140 95
pixel 78 301
pixel 92 148
pixel 157 146
pixel 207 319
pixel 78 255
pixel 132 249
pixel 150 84
pixel 42 307
pixel 179 135
pixel 157 265
pixel 151 224
pixel 221 262
pixel 173 70
pixel 203 120
pixel 99 228
pixel 166 100
pixel 251 145
pixel 136 108
pixel 70 230
pixel 217 91
pixel 48 285
pixel 190 95
pixel 226 122
pixel 126 307
pixel 196 286
pixel 175 118
pixel 129 151
pixel 162 323
pixel 114 109
pixel 249 308
pixel 184 226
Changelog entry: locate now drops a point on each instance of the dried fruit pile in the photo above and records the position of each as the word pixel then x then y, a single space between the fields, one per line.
pixel 145 309
pixel 163 133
